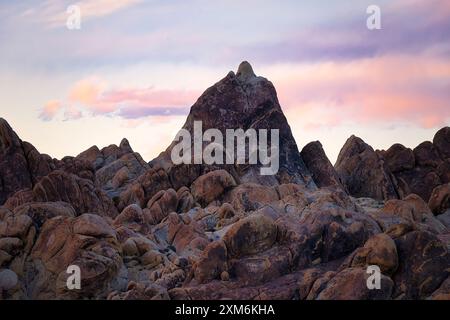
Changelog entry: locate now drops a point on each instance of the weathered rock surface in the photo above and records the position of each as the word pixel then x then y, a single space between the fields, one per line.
pixel 87 242
pixel 80 193
pixel 210 186
pixel 364 172
pixel 416 171
pixel 350 284
pixel 322 170
pixel 440 199
pixel 20 163
pixel 423 265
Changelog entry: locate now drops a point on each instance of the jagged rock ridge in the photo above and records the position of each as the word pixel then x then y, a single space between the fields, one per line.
pixel 396 172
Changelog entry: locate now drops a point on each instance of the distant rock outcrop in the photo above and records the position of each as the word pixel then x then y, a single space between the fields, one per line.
pixel 396 172
pixel 364 172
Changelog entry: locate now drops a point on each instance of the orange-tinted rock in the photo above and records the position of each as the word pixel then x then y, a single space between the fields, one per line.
pixel 212 263
pixel 80 193
pixel 160 205
pixel 379 250
pixel 86 241
pixel 423 265
pixel 251 235
pixel 251 196
pixel 212 185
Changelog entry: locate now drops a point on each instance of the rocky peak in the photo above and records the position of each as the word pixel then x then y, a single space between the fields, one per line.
pixel 243 101
pixel 364 172
pixel 353 146
pixel 245 72
pixel 125 146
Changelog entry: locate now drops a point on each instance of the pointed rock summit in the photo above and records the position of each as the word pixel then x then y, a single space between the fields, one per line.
pixel 243 101
pixel 245 71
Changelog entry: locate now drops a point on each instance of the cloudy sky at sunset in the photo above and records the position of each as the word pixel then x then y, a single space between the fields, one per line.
pixel 135 67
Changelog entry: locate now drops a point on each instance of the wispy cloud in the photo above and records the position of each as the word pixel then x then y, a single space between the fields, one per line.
pixel 408 27
pixel 50 109
pixel 53 12
pixel 388 89
pixel 92 96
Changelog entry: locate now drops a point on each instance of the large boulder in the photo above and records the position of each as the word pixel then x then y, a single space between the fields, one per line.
pixel 351 284
pixel 364 172
pixel 88 242
pixel 40 212
pixel 441 141
pixel 251 196
pixel 421 180
pixel 251 235
pixel 423 265
pixel 399 158
pixel 440 199
pixel 212 262
pixel 80 193
pixel 160 205
pixel 426 155
pixel 8 280
pixel 379 250
pixel 210 186
pixel 322 170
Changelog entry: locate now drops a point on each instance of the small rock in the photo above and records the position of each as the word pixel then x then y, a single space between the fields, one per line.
pixel 8 279
pixel 225 276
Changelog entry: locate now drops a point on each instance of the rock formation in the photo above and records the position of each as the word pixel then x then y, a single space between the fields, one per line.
pixel 243 101
pixel 157 230
pixel 364 172
pixel 396 172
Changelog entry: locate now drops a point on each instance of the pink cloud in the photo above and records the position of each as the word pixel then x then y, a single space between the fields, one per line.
pixel 93 96
pixel 388 89
pixel 50 109
pixel 53 13
pixel 86 91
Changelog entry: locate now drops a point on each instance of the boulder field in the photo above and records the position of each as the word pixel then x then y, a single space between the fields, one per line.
pixel 156 230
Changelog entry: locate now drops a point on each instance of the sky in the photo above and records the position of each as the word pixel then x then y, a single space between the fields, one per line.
pixel 134 68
